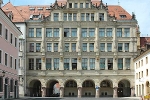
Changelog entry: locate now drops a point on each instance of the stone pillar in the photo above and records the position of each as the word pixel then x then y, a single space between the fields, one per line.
pixel 115 95
pixel 43 91
pixel 61 92
pixel 97 92
pixel 132 91
pixel 79 92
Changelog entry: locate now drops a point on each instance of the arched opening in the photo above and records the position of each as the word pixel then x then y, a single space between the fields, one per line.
pixel 147 87
pixel 53 89
pixel 106 89
pixel 71 89
pixel 35 88
pixel 88 88
pixel 124 89
pixel 6 92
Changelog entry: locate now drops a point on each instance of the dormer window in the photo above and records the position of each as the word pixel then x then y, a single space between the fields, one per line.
pixel 40 8
pixel 47 8
pixel 81 5
pixel 32 8
pixel 70 5
pixel 123 16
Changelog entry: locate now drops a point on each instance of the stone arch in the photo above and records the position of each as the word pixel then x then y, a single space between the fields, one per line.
pixel 147 85
pixel 109 80
pixel 126 80
pixel 64 82
pixel 30 80
pixel 88 79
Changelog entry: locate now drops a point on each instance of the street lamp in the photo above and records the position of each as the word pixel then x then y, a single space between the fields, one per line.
pixel 3 73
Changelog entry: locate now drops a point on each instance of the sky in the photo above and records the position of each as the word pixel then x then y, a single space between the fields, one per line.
pixel 139 7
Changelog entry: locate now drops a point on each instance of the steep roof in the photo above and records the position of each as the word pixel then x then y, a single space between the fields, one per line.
pixel 22 13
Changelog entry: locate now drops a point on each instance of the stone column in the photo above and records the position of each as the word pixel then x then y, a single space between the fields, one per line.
pixel 115 95
pixel 61 92
pixel 43 91
pixel 79 92
pixel 132 91
pixel 97 92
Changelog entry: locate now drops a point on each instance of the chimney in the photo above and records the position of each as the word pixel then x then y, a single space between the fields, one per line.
pixel 1 2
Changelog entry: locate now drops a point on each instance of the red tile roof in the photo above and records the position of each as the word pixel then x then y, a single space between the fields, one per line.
pixel 144 41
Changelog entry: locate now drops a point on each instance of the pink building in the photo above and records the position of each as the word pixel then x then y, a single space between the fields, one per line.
pixel 9 35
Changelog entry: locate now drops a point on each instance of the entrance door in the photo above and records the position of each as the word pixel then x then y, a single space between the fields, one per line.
pixel 120 92
pixel 5 91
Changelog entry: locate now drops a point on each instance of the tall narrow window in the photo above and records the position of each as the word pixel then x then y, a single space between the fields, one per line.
pixel 11 62
pixel 6 59
pixel 74 16
pixel 38 63
pixel 49 47
pixel 55 47
pixel 15 42
pixel 6 34
pixel 0 56
pixel 11 85
pixel 66 32
pixel 31 32
pixel 120 47
pixel 31 48
pixel 75 5
pixel 56 32
pixel 70 5
pixel 127 63
pixel 92 16
pixel 56 63
pixel 73 32
pixel 127 32
pixel 73 47
pixel 91 32
pixel 146 60
pixel 56 16
pixel 102 63
pixel 11 38
pixel 38 47
pixel 31 63
pixel 109 32
pixel 92 63
pixel 66 64
pixel 81 5
pixel 84 32
pixel 101 16
pixel 15 63
pixel 110 63
pixel 84 47
pixel 126 47
pixel 65 16
pixel 1 84
pixel 120 63
pixel 84 63
pixel 48 64
pixel 119 32
pixel 38 32
pixel 102 47
pixel 101 32
pixel 109 47
pixel 49 32
pixel 70 16
pixel 66 47
pixel 0 29
pixel 87 16
pixel 91 47
pixel 82 16
pixel 74 63
pixel 87 5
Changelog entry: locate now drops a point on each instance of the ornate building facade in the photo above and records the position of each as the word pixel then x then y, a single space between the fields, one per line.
pixel 80 48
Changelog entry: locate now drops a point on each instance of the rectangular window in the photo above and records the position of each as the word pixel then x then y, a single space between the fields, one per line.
pixel 87 5
pixel 73 47
pixel 38 32
pixel 65 16
pixel 84 47
pixel 66 47
pixel 74 17
pixel 127 63
pixel 82 16
pixel 146 60
pixel 56 32
pixel 49 47
pixel 56 16
pixel 75 5
pixel 0 56
pixel 66 64
pixel 91 47
pixel 11 38
pixel 49 32
pixel 0 29
pixel 119 32
pixel 11 85
pixel 92 63
pixel 120 63
pixel 127 32
pixel 146 72
pixel 126 47
pixel 48 64
pixel 6 59
pixel 102 47
pixel 81 5
pixel 92 16
pixel 101 32
pixel 110 63
pixel 84 63
pixel 31 63
pixel 73 32
pixel 56 63
pixel 120 47
pixel 84 32
pixel 15 42
pixel 6 34
pixel 74 63
pixel 15 63
pixel 102 63
pixel 1 84
pixel 141 62
pixel 38 63
pixel 66 32
pixel 109 47
pixel 38 47
pixel 31 48
pixel 11 62
pixel 87 16
pixel 31 32
pixel 70 16
pixel 101 16
pixel 109 32
pixel 91 32
pixel 70 5
pixel 55 47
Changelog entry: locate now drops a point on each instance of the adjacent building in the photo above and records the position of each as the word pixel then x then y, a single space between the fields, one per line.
pixel 9 37
pixel 79 48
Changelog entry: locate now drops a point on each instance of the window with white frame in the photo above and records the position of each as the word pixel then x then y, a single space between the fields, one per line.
pixel 56 32
pixel 102 63
pixel 15 42
pixel 81 5
pixel 101 16
pixel 84 47
pixel 0 56
pixel 56 63
pixel 120 47
pixel 38 32
pixel 120 63
pixel 75 5
pixel 49 47
pixel 73 47
pixel 6 59
pixel 11 62
pixel 126 32
pixel 31 32
pixel 127 63
pixel 119 32
pixel 82 16
pixel 102 47
pixel 31 47
pixel 70 5
pixel 87 5
pixel 11 38
pixel 91 47
pixel 66 47
pixel 31 63
pixel 0 29
pixel 87 16
pixel 6 34
pixel 38 63
pixel 84 63
pixel 109 47
pixel 15 63
pixel 65 16
pixel 110 63
pixel 56 16
pixel 49 32
pixel 101 32
pixel 48 64
pixel 55 47
pixel 74 16
pixel 74 63
pixel 66 32
pixel 92 16
pixel 91 32
pixel 109 32
pixel 66 63
pixel 70 17
pixel 92 63
pixel 126 47
pixel 38 47
pixel 74 32
pixel 11 85
pixel 84 32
